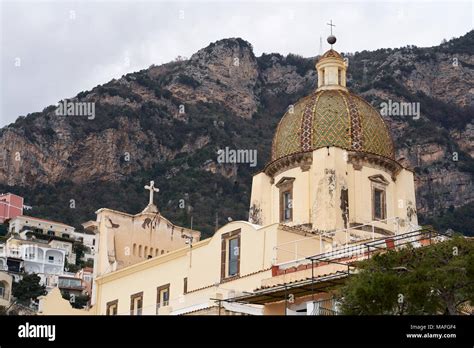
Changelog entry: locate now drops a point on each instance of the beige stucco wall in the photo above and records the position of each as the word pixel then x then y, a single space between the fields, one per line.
pixel 292 246
pixel 54 303
pixel 261 191
pixel 201 264
pixel 317 193
pixel 123 234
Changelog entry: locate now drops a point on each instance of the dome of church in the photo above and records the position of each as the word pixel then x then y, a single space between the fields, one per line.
pixel 332 116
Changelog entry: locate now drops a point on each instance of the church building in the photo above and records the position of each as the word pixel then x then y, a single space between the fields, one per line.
pixel 332 193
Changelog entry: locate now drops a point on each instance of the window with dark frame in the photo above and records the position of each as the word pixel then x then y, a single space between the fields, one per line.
pixel 162 296
pixel 136 304
pixel 379 196
pixel 230 255
pixel 287 206
pixel 285 186
pixel 379 204
pixel 233 257
pixel 111 307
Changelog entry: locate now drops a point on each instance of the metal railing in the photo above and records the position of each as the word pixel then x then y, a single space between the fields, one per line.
pixel 325 307
pixel 364 250
pixel 293 245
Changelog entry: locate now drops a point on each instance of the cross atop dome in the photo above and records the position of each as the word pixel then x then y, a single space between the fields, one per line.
pixel 331 38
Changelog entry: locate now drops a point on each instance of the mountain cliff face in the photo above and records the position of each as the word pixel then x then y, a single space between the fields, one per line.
pixel 167 123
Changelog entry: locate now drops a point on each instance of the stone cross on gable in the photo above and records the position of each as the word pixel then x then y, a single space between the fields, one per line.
pixel 152 189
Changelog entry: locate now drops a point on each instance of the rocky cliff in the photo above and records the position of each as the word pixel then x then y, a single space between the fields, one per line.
pixel 167 122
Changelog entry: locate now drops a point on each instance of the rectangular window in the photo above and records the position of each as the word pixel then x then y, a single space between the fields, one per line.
pixel 230 254
pixel 379 204
pixel 287 206
pixel 111 307
pixel 136 304
pixel 162 296
pixel 233 254
pixel 185 285
pixel 285 186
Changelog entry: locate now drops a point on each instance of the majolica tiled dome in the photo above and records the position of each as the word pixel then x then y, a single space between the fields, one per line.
pixel 332 116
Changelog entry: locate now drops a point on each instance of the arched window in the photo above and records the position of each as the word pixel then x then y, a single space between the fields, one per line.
pixel 134 249
pixel 140 251
pixel 145 254
pixel 151 252
pixel 157 251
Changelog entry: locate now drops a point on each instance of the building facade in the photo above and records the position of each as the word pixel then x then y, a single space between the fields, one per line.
pixel 11 206
pixel 28 223
pixel 88 238
pixel 332 193
pixel 37 257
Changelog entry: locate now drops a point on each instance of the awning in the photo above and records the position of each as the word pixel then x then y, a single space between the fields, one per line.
pixel 298 288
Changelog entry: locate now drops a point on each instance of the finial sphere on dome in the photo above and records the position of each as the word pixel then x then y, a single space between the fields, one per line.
pixel 331 39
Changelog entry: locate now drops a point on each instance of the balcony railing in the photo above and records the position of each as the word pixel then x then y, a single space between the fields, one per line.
pixel 325 307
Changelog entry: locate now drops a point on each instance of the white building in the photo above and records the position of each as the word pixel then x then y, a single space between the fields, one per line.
pixel 88 237
pixel 39 258
pixel 66 246
pixel 28 223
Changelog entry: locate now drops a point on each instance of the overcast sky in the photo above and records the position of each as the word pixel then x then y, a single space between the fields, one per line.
pixel 52 50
